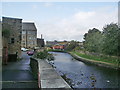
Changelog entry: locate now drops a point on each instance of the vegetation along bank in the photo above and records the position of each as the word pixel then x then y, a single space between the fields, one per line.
pixel 99 47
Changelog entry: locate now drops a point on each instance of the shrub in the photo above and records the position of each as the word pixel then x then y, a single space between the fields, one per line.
pixel 44 55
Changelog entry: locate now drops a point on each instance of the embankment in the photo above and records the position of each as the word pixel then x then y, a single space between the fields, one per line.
pixel 98 63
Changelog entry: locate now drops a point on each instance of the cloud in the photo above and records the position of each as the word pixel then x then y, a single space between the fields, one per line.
pixel 84 15
pixel 34 6
pixel 76 25
pixel 48 4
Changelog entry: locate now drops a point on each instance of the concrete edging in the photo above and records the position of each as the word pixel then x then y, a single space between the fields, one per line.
pixel 46 75
pixel 94 62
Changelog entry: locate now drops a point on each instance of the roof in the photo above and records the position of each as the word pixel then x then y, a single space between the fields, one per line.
pixel 11 18
pixel 28 26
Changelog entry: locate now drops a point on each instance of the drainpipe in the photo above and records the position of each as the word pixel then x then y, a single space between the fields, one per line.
pixel 26 38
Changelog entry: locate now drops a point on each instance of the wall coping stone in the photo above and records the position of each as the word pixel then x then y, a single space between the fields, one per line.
pixel 48 77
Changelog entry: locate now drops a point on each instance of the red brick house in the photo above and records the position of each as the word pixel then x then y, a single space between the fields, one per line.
pixel 61 47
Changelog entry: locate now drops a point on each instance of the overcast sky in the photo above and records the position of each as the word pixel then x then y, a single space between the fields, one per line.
pixel 63 20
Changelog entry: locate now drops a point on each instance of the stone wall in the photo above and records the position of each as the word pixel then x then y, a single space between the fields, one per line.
pixel 32 39
pixel 0 40
pixel 0 56
pixel 47 76
pixel 23 42
pixel 29 35
pixel 14 25
pixel 34 67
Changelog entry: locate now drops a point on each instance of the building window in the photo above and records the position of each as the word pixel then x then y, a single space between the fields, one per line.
pixel 33 42
pixel 30 37
pixel 23 37
pixel 12 40
pixel 29 42
pixel 29 32
pixel 23 32
pixel 20 37
pixel 24 43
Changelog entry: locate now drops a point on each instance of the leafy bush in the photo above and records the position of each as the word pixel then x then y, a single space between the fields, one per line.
pixel 44 55
pixel 72 45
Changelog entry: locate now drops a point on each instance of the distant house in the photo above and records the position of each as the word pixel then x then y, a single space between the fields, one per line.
pixel 57 44
pixel 29 35
pixel 58 47
pixel 51 43
pixel 63 42
pixel 11 31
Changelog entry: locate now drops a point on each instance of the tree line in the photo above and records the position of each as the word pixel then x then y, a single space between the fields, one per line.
pixel 105 42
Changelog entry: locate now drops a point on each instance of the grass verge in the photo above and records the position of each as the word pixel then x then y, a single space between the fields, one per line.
pixel 105 59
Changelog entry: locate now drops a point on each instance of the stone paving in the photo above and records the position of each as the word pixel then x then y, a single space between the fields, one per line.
pixel 18 74
pixel 50 78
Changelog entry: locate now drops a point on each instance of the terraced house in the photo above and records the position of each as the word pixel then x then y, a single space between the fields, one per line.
pixel 29 35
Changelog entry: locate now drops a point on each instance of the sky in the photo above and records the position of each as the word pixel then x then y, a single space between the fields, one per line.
pixel 63 20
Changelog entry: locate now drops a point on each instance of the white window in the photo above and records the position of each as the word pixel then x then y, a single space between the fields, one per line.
pixel 29 32
pixel 23 32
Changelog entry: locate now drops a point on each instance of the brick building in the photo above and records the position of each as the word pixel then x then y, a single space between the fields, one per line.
pixel 29 35
pixel 58 47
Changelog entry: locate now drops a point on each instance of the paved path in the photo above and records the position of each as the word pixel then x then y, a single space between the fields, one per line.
pixel 50 78
pixel 18 74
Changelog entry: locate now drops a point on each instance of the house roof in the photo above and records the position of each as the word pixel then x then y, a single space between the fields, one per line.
pixel 28 26
pixel 11 18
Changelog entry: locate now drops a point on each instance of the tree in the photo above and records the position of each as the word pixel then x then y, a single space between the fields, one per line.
pixel 93 40
pixel 111 39
pixel 71 45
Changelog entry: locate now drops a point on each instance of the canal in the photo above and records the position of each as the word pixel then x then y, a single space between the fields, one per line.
pixel 83 75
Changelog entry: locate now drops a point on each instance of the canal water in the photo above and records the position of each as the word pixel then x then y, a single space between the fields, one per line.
pixel 83 75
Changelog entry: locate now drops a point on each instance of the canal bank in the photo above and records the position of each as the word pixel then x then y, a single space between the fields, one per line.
pixel 46 75
pixel 84 75
pixel 98 63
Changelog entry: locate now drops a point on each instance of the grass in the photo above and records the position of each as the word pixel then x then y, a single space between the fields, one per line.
pixel 111 60
pixel 56 50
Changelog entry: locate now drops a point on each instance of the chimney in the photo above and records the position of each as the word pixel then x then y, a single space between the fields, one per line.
pixel 41 36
